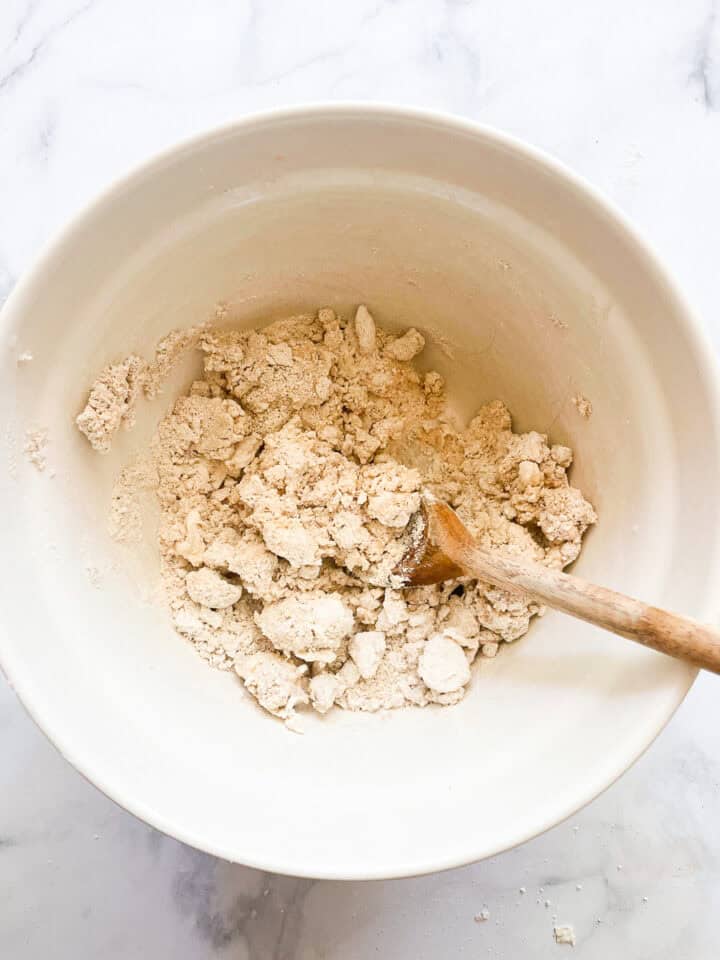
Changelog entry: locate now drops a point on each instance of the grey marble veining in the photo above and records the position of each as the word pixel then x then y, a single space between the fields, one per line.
pixel 627 94
pixel 637 873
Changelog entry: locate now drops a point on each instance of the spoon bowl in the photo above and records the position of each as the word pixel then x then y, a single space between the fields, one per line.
pixel 442 548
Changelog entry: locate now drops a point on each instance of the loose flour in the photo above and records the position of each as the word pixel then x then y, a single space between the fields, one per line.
pixel 286 478
pixel 35 448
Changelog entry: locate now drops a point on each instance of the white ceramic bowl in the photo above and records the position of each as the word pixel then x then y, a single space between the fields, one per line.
pixel 540 291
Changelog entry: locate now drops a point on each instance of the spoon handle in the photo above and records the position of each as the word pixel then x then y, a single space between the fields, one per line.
pixel 669 633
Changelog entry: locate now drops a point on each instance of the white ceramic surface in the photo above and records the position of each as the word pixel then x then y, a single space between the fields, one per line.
pixel 541 292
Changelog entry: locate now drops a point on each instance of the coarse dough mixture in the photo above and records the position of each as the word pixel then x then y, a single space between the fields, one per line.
pixel 286 478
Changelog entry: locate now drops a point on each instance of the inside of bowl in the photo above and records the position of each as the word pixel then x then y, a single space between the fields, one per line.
pixel 527 291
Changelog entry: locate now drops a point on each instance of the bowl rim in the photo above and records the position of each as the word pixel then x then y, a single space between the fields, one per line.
pixel 693 330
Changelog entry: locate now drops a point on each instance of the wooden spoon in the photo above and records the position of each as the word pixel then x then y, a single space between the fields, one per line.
pixel 441 548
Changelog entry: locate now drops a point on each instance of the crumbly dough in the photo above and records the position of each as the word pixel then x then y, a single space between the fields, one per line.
pixel 112 400
pixel 111 403
pixel 286 478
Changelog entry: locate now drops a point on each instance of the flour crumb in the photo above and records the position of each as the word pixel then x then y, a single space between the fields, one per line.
pixel 583 405
pixel 564 934
pixel 35 448
pixel 407 346
pixel 286 477
pixel 210 589
pixel 365 330
pixel 311 626
pixel 443 665
pixel 367 649
pixel 274 682
pixel 111 403
pixel 24 357
pixel 482 916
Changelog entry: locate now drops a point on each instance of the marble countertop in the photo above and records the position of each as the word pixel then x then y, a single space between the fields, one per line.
pixel 628 95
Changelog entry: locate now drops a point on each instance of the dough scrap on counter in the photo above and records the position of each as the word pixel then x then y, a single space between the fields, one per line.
pixel 564 934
